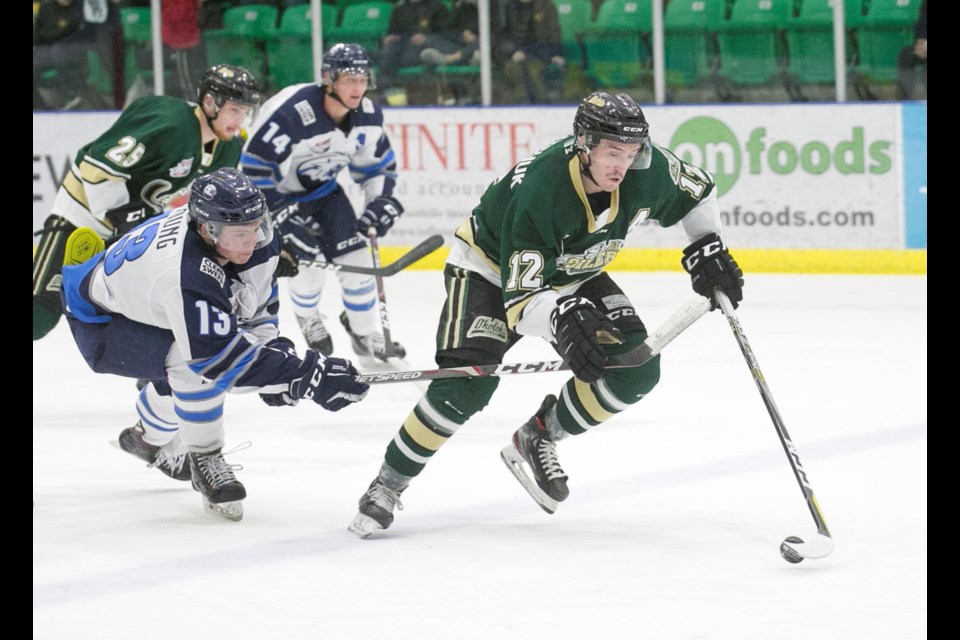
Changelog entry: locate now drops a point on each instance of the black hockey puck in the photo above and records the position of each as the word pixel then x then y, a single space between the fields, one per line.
pixel 789 554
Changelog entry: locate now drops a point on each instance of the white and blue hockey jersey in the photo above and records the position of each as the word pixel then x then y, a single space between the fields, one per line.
pixel 163 274
pixel 295 151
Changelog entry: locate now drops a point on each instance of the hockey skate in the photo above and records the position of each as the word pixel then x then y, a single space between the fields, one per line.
pixel 222 493
pixel 316 334
pixel 372 345
pixel 376 509
pixel 532 444
pixel 173 465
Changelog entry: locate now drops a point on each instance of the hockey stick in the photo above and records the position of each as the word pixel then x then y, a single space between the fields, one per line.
pixel 381 294
pixel 388 347
pixel 422 250
pixel 793 549
pixel 682 318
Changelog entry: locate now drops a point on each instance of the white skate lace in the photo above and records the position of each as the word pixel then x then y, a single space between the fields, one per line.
pixel 313 328
pixel 375 345
pixel 384 497
pixel 171 461
pixel 547 453
pixel 217 470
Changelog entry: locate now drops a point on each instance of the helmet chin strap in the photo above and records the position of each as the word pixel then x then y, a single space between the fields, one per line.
pixel 333 94
pixel 216 110
pixel 585 168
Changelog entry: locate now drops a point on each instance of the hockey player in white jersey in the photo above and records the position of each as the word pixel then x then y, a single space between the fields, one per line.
pixel 301 141
pixel 189 301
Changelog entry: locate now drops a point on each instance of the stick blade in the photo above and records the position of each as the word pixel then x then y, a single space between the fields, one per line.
pixel 820 546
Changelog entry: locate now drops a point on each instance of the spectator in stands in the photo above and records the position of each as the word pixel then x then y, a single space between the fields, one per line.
pixel 184 52
pixel 532 52
pixel 414 26
pixel 64 31
pixel 464 36
pixel 912 58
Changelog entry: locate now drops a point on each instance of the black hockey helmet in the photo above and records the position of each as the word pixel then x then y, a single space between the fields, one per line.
pixel 614 117
pixel 227 197
pixel 346 58
pixel 229 82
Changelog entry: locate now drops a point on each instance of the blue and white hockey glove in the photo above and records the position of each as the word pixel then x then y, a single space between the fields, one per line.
pixel 300 233
pixel 381 214
pixel 330 382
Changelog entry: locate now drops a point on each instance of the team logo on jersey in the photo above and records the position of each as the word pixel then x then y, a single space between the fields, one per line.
pixel 593 259
pixel 182 170
pixel 487 327
pixel 213 270
pixel 324 168
pixel 307 115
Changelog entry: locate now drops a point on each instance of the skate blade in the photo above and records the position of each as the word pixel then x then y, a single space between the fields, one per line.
pixel 229 510
pixel 363 525
pixel 514 461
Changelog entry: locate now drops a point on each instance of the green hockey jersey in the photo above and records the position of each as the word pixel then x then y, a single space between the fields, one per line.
pixel 150 155
pixel 535 229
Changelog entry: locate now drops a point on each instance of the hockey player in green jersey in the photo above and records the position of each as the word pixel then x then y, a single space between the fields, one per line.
pixel 140 166
pixel 529 261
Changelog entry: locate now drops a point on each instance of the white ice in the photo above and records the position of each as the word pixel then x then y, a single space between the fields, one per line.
pixel 672 528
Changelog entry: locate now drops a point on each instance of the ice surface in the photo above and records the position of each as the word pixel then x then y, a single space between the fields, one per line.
pixel 671 531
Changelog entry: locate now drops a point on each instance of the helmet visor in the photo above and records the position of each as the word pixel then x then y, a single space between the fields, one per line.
pixel 245 236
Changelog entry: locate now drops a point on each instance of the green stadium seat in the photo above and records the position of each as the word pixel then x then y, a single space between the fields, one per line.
pixel 290 50
pixel 689 49
pixel 617 45
pixel 575 17
pixel 810 40
pixel 751 46
pixel 364 23
pixel 886 28
pixel 137 46
pixel 243 39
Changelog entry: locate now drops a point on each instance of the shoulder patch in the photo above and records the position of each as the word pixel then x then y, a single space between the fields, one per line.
pixel 307 115
pixel 213 270
pixel 182 169
pixel 366 104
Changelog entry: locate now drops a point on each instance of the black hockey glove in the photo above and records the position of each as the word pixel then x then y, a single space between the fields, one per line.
pixel 330 382
pixel 580 330
pixel 710 265
pixel 282 399
pixel 288 265
pixel 126 217
pixel 380 214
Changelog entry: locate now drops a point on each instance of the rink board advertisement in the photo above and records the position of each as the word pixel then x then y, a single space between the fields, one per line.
pixel 789 177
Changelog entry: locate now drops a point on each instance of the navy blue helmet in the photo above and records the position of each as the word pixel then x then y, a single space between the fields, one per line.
pixel 346 58
pixel 227 197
